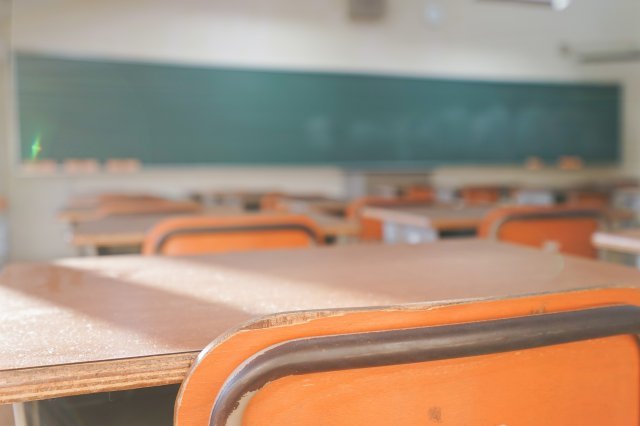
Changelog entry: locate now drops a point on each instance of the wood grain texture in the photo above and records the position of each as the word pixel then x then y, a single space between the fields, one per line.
pixel 73 379
pixel 65 317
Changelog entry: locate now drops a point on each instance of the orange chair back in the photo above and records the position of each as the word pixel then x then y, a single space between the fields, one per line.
pixel 568 229
pixel 371 229
pixel 474 195
pixel 589 198
pixel 216 234
pixel 553 360
pixel 419 193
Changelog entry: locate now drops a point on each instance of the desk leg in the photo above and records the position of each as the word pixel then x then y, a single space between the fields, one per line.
pixel 627 259
pixel 20 415
pixel 84 251
pixel 394 233
pixel 341 239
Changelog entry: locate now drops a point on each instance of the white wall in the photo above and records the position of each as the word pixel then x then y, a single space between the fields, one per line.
pixel 5 10
pixel 477 39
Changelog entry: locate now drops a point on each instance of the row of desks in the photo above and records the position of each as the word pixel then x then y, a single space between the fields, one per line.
pixel 118 231
pixel 87 325
pixel 115 232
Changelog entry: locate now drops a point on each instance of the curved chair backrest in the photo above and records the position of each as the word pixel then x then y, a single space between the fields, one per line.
pixel 588 198
pixel 127 207
pixel 567 229
pixel 216 234
pixel 552 359
pixel 371 229
pixel 474 195
pixel 419 193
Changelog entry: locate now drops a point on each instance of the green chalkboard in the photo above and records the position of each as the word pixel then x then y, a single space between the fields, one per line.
pixel 170 114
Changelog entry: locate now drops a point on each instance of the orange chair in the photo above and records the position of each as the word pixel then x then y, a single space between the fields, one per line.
pixel 419 193
pixel 589 198
pixel 215 234
pixel 555 359
pixel 371 229
pixel 474 195
pixel 568 229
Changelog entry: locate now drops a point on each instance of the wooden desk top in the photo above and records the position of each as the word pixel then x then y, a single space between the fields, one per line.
pixel 101 324
pixel 131 230
pixel 440 217
pixel 116 231
pixel 624 241
pixel 78 212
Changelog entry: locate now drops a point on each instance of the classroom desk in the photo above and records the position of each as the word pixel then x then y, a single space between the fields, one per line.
pixel 450 218
pixel 78 214
pixel 439 217
pixel 85 325
pixel 86 207
pixel 626 241
pixel 417 224
pixel 126 231
pixel 319 205
pixel 246 200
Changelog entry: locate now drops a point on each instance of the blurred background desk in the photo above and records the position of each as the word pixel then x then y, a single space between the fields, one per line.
pixel 126 233
pixel 426 223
